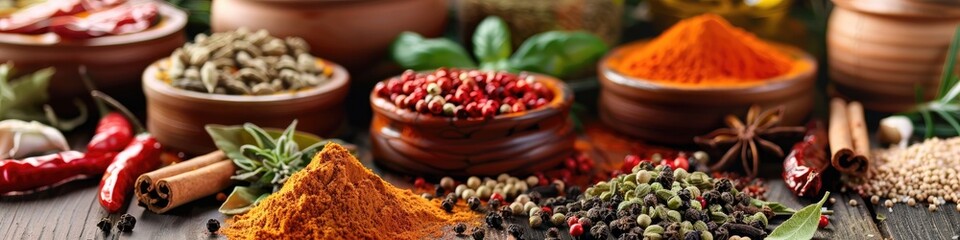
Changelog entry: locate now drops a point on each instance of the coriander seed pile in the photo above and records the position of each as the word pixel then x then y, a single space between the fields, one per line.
pixel 929 171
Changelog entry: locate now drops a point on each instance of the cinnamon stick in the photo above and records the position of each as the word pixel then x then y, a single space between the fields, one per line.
pixel 846 157
pixel 169 187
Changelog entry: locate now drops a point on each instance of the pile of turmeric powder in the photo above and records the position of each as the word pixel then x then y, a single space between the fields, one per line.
pixel 704 50
pixel 335 197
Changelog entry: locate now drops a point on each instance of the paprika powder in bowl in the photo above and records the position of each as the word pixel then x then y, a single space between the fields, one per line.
pixel 113 60
pixel 176 117
pixel 521 135
pixel 683 83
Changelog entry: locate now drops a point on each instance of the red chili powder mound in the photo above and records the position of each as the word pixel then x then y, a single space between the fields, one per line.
pixel 335 197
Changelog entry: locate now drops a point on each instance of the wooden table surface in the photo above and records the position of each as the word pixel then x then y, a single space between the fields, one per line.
pixel 71 211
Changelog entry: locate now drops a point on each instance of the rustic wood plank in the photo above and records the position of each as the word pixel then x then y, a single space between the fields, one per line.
pixel 847 222
pixel 905 222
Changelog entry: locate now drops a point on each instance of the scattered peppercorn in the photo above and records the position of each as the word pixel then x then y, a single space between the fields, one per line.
pixel 536 221
pixel 104 224
pixel 213 225
pixel 912 202
pixel 875 199
pixel 447 183
pixel 478 233
pixel 438 190
pixel 853 202
pixel 460 228
pixel 833 201
pixel 126 223
pixel 888 203
pixel 599 231
pixel 447 205
pixel 553 232
pixel 515 230
pixel 494 220
pixel 474 203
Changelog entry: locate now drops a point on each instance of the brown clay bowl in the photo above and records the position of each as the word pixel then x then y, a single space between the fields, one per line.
pixel 177 117
pixel 674 114
pixel 354 33
pixel 516 143
pixel 114 62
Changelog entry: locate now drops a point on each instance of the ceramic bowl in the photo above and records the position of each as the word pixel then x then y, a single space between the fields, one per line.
pixel 354 33
pixel 516 143
pixel 176 117
pixel 114 62
pixel 674 114
pixel 880 53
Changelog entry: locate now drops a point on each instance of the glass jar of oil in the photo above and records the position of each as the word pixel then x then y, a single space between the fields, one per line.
pixel 762 17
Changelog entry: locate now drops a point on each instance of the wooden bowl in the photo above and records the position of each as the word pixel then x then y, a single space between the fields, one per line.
pixel 177 117
pixel 354 33
pixel 880 53
pixel 674 114
pixel 114 62
pixel 516 143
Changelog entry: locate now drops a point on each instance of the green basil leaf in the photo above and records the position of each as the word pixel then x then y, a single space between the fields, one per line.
pixel 242 199
pixel 491 43
pixel 558 53
pixel 412 51
pixel 802 225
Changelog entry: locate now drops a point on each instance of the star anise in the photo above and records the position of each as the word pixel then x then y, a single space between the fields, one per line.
pixel 747 140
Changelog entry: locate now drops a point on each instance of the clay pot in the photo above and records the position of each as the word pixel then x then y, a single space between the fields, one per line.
pixel 177 117
pixel 674 114
pixel 354 33
pixel 113 62
pixel 516 143
pixel 880 53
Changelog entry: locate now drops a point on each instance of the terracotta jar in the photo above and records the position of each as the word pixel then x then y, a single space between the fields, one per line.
pixel 355 33
pixel 113 62
pixel 176 117
pixel 879 53
pixel 674 114
pixel 516 143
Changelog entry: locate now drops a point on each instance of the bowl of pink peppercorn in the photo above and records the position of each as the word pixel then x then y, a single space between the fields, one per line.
pixel 455 122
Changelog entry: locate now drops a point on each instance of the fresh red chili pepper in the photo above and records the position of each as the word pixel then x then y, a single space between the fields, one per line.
pixel 37 173
pixel 37 18
pixel 113 134
pixel 805 164
pixel 141 156
pixel 115 21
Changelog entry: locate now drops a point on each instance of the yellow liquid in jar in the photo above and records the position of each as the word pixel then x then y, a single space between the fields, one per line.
pixel 762 17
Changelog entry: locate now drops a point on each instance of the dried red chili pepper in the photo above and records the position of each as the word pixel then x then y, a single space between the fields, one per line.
pixel 142 155
pixel 805 164
pixel 113 134
pixel 37 173
pixel 116 21
pixel 37 18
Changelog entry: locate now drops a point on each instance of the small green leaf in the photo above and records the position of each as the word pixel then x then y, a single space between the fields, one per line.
pixel 558 53
pixel 491 43
pixel 778 208
pixel 802 225
pixel 881 217
pixel 412 51
pixel 242 199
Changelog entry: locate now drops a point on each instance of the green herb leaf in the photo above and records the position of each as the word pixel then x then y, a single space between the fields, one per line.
pixel 947 80
pixel 802 225
pixel 558 53
pixel 881 217
pixel 242 199
pixel 24 98
pixel 778 208
pixel 491 44
pixel 412 51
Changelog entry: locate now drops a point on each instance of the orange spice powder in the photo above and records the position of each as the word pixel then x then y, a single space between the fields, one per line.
pixel 704 50
pixel 335 197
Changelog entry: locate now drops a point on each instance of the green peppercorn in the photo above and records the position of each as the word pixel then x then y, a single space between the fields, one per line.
pixel 685 227
pixel 644 220
pixel 654 187
pixel 700 226
pixel 718 217
pixel 673 216
pixel 606 196
pixel 535 221
pixel 759 217
pixel 558 219
pixel 653 229
pixel 695 204
pixel 665 195
pixel 674 203
pixel 694 191
pixel 680 174
pixel 706 235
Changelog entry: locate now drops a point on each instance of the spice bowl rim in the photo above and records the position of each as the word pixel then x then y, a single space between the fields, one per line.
pixel 172 21
pixel 809 68
pixel 339 79
pixel 563 98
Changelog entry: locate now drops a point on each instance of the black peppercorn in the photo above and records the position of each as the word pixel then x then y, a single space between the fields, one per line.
pixel 506 212
pixel 621 226
pixel 712 226
pixel 645 165
pixel 609 215
pixel 438 190
pixel 724 185
pixel 573 192
pixel 474 203
pixel 743 199
pixel 560 200
pixel 213 225
pixel 712 197
pixel 616 199
pixel 478 233
pixel 494 204
pixel 560 209
pixel 650 200
pixel 591 203
pixel 586 223
pixel 553 232
pixel 692 235
pixel 684 194
pixel 515 230
pixel 624 213
pixel 737 216
pixel 768 212
pixel 126 223
pixel 447 205
pixel 595 214
pixel 535 197
pixel 460 228
pixel 574 207
pixel 549 202
pixel 104 224
pixel 636 210
pixel 721 233
pixel 631 236
pixel 666 177
pixel 691 215
pixel 494 220
pixel 727 197
pixel 600 231
pixel 637 231
pixel 452 197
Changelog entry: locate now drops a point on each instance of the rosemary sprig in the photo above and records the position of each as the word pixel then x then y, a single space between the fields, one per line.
pixel 946 107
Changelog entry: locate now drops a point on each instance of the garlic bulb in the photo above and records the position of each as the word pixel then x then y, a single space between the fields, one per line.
pixel 18 139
